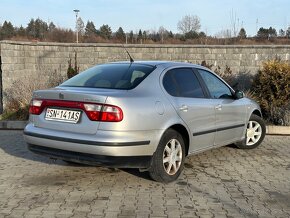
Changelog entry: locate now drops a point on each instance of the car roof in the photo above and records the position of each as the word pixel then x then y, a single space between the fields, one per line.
pixel 164 64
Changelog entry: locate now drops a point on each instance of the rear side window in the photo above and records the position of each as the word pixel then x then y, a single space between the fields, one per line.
pixel 182 82
pixel 111 76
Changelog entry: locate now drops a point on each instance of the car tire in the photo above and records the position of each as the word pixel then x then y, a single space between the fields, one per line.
pixel 168 159
pixel 255 133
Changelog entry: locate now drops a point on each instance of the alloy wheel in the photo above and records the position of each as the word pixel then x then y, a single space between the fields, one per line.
pixel 254 132
pixel 172 156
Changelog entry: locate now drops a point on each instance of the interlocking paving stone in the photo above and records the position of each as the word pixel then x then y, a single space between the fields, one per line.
pixel 223 182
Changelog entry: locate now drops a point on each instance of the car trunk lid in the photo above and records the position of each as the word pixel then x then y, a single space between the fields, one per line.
pixel 68 100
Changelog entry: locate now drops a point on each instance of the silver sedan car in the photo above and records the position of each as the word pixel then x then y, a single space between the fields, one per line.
pixel 148 115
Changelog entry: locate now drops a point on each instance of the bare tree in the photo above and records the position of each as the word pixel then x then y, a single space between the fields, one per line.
pixel 225 33
pixel 163 33
pixel 80 26
pixel 234 20
pixel 189 23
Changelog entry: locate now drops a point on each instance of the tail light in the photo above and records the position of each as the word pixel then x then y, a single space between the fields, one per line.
pixel 106 113
pixel 111 114
pixel 35 107
pixel 95 112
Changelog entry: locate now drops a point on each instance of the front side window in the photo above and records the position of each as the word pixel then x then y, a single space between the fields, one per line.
pixel 216 87
pixel 111 76
pixel 182 82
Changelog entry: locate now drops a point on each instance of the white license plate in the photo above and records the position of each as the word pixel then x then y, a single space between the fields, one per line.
pixel 62 115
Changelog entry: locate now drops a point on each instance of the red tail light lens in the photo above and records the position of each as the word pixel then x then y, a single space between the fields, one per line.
pixel 35 107
pixel 95 112
pixel 111 114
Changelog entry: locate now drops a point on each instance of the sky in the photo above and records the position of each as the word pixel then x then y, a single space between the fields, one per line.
pixel 215 15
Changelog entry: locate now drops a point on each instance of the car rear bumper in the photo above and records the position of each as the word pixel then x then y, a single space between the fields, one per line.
pixel 110 148
pixel 93 159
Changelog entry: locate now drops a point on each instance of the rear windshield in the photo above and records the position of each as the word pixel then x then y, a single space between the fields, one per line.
pixel 111 76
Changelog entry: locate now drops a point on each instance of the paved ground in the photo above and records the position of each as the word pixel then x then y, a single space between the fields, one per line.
pixel 225 182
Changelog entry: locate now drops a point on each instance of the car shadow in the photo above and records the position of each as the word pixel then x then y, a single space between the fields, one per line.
pixel 232 146
pixel 12 143
pixel 135 172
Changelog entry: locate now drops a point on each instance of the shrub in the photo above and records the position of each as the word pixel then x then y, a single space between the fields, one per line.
pixel 19 114
pixel 244 81
pixel 271 87
pixel 72 71
pixel 18 99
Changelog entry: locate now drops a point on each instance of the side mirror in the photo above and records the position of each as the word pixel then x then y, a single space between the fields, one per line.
pixel 239 94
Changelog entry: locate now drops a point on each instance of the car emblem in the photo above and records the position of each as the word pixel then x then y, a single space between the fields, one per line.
pixel 61 96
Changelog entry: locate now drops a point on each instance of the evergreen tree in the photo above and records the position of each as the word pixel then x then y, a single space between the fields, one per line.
pixel 242 34
pixel 155 36
pixel 37 28
pixel 105 31
pixel 120 34
pixel 202 34
pixel 7 30
pixel 288 32
pixel 90 29
pixel 264 33
pixel 30 29
pixel 144 35
pixel 131 36
pixel 191 35
pixel 272 32
pixel 51 27
pixel 140 35
pixel 21 31
pixel 41 28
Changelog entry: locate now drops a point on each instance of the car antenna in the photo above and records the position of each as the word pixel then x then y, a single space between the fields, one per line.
pixel 131 59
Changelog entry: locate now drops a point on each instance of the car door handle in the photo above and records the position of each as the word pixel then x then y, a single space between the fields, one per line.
pixel 218 107
pixel 183 108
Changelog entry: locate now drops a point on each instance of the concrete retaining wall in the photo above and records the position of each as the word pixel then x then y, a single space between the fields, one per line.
pixel 34 61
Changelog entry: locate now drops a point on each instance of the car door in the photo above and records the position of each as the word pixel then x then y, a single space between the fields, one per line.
pixel 230 112
pixel 191 104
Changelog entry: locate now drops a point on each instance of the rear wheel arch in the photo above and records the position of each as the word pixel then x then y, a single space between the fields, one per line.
pixel 257 112
pixel 168 160
pixel 184 133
